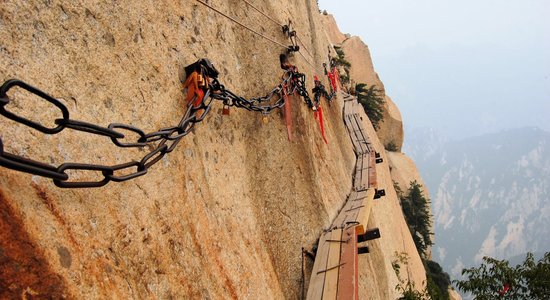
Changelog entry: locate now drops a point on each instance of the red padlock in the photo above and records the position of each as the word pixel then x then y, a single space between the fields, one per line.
pixel 225 110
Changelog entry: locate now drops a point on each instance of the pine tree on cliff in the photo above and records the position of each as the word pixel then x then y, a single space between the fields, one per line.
pixel 372 102
pixel 417 214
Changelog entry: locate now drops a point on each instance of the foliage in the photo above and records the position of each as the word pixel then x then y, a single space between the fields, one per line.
pixel 341 61
pixel 410 293
pixel 391 146
pixel 437 285
pixel 496 279
pixel 416 209
pixel 344 78
pixel 398 190
pixel 438 280
pixel 406 288
pixel 372 102
pixel 417 214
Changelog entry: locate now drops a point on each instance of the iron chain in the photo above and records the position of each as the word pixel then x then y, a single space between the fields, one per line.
pixel 292 81
pixel 160 142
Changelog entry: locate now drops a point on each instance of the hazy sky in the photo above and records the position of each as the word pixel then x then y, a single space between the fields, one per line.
pixel 464 67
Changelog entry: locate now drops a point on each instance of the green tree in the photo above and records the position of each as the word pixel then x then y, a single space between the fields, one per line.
pixel 497 279
pixel 417 214
pixel 406 287
pixel 391 146
pixel 398 190
pixel 416 209
pixel 438 280
pixel 372 102
pixel 340 60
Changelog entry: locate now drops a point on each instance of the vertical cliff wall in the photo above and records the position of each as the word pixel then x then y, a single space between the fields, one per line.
pixel 387 213
pixel 226 213
pixel 362 71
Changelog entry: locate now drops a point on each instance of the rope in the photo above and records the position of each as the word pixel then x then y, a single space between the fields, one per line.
pixel 257 33
pixel 316 69
pixel 277 23
pixel 265 15
pixel 303 45
pixel 239 23
pixel 307 61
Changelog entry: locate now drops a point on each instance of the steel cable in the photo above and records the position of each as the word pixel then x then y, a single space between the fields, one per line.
pixel 239 23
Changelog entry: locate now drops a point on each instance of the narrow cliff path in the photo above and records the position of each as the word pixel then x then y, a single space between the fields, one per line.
pixel 335 271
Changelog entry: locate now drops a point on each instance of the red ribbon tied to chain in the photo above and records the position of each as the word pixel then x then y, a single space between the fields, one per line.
pixel 319 113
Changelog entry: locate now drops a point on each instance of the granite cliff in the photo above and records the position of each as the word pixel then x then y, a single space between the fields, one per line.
pixel 225 215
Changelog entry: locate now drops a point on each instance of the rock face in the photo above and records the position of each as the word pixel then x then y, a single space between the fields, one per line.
pixel 362 71
pixel 387 215
pixel 403 172
pixel 403 169
pixel 362 68
pixel 226 213
pixel 391 127
pixel 331 28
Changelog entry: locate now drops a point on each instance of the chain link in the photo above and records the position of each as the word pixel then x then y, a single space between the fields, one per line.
pixel 160 142
pixel 292 81
pixel 320 91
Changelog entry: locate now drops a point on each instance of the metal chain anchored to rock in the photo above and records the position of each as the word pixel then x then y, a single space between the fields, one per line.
pixel 202 88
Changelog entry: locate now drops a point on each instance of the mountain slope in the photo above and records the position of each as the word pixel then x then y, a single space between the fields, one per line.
pixel 223 216
pixel 492 196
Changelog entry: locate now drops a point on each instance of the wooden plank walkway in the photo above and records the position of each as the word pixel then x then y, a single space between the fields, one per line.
pixel 335 270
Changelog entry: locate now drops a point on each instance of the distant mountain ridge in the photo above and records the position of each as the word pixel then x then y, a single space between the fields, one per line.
pixel 490 195
pixel 422 143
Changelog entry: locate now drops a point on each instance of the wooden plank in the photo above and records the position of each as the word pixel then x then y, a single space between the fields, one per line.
pixel 343 217
pixel 354 208
pixel 360 177
pixel 331 278
pixel 351 210
pixel 360 196
pixel 335 271
pixel 317 281
pixel 361 140
pixel 348 280
pixel 358 173
pixel 351 216
pixel 364 184
pixel 373 183
pixel 364 195
pixel 364 213
pixel 349 127
pixel 358 134
pixel 362 136
pixel 348 106
pixel 358 147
